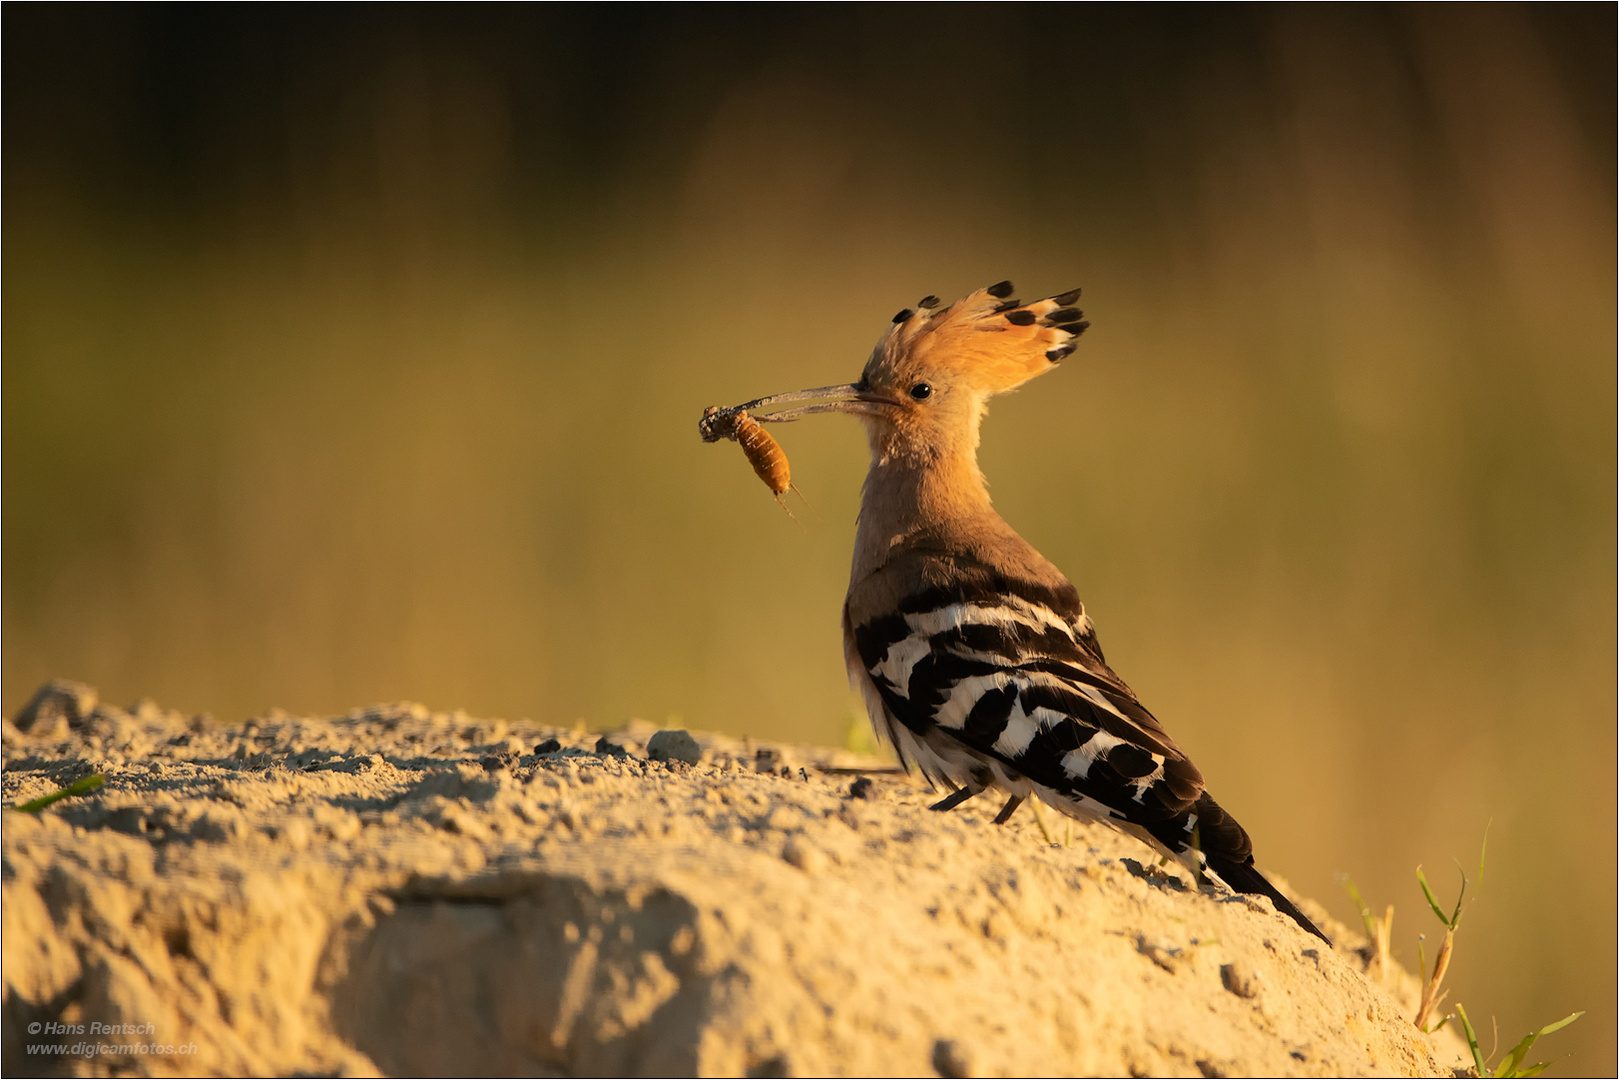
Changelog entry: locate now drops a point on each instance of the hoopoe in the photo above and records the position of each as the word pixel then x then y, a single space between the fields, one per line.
pixel 973 653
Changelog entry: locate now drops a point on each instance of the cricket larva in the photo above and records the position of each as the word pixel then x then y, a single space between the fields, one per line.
pixel 763 452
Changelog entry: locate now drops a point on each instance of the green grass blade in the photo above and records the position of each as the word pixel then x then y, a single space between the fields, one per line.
pixel 1433 901
pixel 81 786
pixel 1561 1024
pixel 1472 1041
pixel 1456 916
pixel 1360 905
pixel 1354 894
pixel 1509 1064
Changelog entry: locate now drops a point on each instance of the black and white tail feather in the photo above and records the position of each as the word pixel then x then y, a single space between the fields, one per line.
pixel 988 681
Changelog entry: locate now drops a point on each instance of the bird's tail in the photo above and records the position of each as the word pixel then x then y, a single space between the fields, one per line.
pixel 1243 878
pixel 1227 851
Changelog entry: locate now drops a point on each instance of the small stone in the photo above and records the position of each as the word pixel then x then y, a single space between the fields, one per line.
pixel 604 745
pixel 1165 957
pixel 779 1065
pixel 951 1059
pixel 549 746
pixel 58 701
pixel 496 762
pixel 676 745
pixel 1240 979
pixel 807 857
pixel 454 819
pixel 861 788
pixel 218 825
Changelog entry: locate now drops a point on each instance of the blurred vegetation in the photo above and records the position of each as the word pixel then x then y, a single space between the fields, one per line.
pixel 356 353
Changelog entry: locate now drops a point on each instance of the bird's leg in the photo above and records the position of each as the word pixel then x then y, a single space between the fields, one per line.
pixel 955 798
pixel 1009 809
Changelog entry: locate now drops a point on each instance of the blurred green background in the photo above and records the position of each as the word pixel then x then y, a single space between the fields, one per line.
pixel 355 354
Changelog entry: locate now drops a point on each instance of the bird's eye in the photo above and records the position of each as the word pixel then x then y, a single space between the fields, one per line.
pixel 921 391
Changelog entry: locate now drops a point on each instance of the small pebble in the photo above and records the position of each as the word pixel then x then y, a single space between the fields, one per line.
pixel 604 745
pixel 549 746
pixel 1240 979
pixel 677 745
pixel 805 856
pixel 951 1059
pixel 861 788
pixel 1165 957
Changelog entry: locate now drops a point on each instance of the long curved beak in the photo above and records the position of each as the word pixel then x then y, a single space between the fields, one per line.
pixel 845 398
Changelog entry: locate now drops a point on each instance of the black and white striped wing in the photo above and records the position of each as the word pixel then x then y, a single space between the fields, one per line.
pixel 1012 671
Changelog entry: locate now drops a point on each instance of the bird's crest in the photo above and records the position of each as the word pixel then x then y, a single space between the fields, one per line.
pixel 987 337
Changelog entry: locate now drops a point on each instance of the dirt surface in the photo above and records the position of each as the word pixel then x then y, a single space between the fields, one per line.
pixel 407 892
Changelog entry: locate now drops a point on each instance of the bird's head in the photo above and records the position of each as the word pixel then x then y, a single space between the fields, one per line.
pixel 927 383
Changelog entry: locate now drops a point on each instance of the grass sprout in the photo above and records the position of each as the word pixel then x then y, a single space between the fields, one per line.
pixel 1512 1065
pixel 82 786
pixel 1432 997
pixel 1380 931
pixel 1039 819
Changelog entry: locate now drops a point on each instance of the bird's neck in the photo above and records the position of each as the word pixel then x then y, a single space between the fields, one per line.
pixel 906 498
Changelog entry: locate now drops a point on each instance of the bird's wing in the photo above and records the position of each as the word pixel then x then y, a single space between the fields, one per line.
pixel 1010 669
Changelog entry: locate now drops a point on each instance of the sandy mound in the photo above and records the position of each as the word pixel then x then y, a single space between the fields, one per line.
pixel 412 892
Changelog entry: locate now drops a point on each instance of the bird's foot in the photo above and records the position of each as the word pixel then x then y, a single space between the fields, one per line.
pixel 1008 810
pixel 955 799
